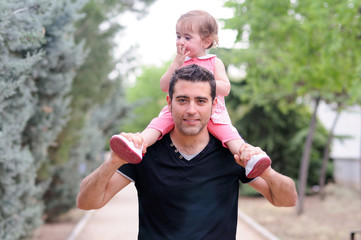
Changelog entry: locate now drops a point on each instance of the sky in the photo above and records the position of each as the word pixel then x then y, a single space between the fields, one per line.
pixel 155 33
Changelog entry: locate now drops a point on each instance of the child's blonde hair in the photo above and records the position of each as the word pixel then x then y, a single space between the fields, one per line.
pixel 202 23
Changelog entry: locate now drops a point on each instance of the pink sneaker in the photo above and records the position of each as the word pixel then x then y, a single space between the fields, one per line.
pixel 257 164
pixel 125 149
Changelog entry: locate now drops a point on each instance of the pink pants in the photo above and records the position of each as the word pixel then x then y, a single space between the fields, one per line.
pixel 223 132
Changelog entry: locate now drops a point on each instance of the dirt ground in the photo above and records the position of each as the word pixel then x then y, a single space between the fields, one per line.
pixel 331 219
pixel 60 230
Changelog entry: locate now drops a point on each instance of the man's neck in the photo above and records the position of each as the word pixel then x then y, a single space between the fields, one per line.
pixel 189 144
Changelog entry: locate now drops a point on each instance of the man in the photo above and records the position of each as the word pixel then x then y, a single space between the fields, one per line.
pixel 187 182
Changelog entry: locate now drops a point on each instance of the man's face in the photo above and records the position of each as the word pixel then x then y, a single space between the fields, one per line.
pixel 191 106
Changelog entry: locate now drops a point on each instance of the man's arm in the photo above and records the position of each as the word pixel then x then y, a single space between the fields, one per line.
pixel 100 186
pixel 278 189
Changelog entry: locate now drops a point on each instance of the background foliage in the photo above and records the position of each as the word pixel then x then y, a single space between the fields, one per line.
pixel 299 52
pixel 56 116
pixel 38 38
pixel 98 105
pixel 147 97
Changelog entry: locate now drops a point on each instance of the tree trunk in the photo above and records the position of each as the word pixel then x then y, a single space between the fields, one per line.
pixel 322 179
pixel 303 174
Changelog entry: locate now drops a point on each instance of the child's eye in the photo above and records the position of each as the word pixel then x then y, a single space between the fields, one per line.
pixel 188 38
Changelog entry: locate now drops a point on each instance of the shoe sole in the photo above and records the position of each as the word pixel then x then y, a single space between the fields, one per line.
pixel 261 165
pixel 123 151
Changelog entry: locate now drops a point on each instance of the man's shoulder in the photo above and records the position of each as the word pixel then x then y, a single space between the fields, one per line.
pixel 216 146
pixel 215 141
pixel 160 144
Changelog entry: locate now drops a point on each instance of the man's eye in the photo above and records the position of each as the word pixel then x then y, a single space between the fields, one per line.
pixel 181 100
pixel 202 101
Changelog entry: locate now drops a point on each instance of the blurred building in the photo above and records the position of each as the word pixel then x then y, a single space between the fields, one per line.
pixel 346 152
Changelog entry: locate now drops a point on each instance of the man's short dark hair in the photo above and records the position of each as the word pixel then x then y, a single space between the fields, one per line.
pixel 193 73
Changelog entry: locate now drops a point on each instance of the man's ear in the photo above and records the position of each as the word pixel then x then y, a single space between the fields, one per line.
pixel 169 101
pixel 214 104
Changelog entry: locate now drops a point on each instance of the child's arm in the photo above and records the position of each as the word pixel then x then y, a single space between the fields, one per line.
pixel 223 85
pixel 177 63
pixel 165 79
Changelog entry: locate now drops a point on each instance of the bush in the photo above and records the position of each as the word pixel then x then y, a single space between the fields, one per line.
pixel 282 135
pixel 36 75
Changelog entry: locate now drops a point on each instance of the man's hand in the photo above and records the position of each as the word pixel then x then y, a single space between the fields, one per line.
pixel 115 159
pixel 137 140
pixel 245 153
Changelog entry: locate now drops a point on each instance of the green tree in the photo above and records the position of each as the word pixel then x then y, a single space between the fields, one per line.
pixel 294 47
pixel 37 70
pixel 98 103
pixel 147 96
pixel 19 31
pixel 281 134
pixel 54 78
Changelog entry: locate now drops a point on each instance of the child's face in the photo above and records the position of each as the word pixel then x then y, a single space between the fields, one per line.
pixel 191 40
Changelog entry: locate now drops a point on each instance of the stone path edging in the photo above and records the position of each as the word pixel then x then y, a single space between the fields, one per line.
pixel 256 226
pixel 80 225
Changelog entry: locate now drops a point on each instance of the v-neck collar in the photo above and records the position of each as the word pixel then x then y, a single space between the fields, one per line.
pixel 178 155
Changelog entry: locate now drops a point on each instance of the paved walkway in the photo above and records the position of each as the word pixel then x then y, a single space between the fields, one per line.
pixel 119 220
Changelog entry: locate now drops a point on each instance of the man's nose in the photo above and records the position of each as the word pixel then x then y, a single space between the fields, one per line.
pixel 191 108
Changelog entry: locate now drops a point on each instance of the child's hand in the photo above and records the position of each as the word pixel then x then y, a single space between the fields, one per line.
pixel 182 53
pixel 182 50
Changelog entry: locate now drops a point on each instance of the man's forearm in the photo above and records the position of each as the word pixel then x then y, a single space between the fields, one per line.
pixel 93 189
pixel 282 189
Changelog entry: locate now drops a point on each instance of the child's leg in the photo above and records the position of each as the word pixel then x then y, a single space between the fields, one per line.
pixel 228 135
pixel 150 135
pixel 230 138
pixel 158 127
pixel 235 145
pixel 155 130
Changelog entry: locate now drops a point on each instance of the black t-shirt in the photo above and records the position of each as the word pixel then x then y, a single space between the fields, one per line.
pixel 185 200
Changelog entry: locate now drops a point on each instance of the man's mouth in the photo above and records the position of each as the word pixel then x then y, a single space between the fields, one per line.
pixel 191 121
